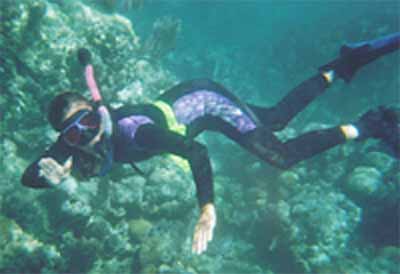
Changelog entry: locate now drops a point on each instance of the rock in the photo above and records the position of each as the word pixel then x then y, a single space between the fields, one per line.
pixel 163 38
pixel 128 190
pixel 76 207
pixel 289 178
pixel 335 171
pixel 21 252
pixel 380 161
pixel 11 164
pixel 139 229
pixel 113 266
pixel 319 225
pixel 98 227
pixel 283 211
pixel 150 269
pixel 363 183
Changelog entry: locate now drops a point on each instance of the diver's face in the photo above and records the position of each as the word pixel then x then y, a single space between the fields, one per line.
pixel 85 130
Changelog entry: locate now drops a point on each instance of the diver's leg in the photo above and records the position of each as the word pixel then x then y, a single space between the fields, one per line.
pixel 262 143
pixel 382 123
pixel 312 143
pixel 294 102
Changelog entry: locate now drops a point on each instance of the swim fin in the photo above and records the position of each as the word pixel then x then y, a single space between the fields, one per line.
pixel 353 56
pixel 383 124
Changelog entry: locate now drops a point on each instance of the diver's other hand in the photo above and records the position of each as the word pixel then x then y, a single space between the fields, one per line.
pixel 53 172
pixel 203 232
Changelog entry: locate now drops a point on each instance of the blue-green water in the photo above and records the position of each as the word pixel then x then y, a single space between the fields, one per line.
pixel 334 213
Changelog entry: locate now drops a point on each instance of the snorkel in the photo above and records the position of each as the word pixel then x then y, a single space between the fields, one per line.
pixel 84 58
pixel 105 117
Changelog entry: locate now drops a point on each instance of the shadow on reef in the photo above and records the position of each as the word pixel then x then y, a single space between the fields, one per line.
pixel 276 256
pixel 382 228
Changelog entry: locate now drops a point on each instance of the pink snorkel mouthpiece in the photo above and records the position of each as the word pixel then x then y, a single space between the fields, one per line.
pixel 91 83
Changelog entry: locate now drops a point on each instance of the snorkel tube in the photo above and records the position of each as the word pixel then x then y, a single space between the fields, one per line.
pixel 105 117
pixel 84 58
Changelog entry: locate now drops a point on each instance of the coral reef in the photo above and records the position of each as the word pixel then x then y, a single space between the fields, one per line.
pixel 21 252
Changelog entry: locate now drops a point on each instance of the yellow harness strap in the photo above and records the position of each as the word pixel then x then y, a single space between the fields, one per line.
pixel 173 125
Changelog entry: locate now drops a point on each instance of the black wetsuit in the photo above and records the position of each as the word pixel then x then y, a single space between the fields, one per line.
pixel 141 131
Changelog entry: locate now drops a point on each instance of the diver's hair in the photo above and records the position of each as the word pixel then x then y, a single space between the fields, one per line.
pixel 59 106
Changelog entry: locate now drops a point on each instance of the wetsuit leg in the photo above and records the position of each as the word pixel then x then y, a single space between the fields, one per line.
pixel 263 143
pixel 294 102
pixel 312 143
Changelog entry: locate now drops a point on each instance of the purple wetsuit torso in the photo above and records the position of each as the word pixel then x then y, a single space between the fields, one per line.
pixel 126 148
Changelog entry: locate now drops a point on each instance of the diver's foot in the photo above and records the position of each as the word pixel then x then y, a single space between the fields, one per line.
pixel 345 66
pixel 353 56
pixel 382 123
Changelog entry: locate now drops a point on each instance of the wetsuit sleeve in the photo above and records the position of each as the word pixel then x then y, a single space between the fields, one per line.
pixel 160 140
pixel 31 178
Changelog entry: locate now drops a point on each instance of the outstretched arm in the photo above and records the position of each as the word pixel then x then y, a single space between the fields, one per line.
pixel 163 141
pixel 159 140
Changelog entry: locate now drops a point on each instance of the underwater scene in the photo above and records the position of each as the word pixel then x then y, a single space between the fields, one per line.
pixel 199 136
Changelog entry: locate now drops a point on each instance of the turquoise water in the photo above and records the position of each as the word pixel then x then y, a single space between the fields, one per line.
pixel 277 44
pixel 334 213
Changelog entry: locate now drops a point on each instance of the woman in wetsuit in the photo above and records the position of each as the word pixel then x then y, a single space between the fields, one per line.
pixel 93 138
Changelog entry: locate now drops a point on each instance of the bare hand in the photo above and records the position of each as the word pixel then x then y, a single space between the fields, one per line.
pixel 203 232
pixel 52 171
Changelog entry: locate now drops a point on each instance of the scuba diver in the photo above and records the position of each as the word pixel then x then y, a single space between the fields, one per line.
pixel 93 136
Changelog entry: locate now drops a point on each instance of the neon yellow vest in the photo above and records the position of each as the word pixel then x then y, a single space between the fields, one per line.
pixel 172 123
pixel 174 126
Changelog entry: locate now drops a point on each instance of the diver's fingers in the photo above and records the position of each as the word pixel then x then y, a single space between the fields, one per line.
pixel 199 240
pixel 203 241
pixel 50 176
pixel 68 164
pixel 49 164
pixel 195 241
pixel 52 171
pixel 203 234
pixel 43 172
pixel 55 169
pixel 44 163
pixel 210 233
pixel 206 238
pixel 52 166
pixel 45 166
